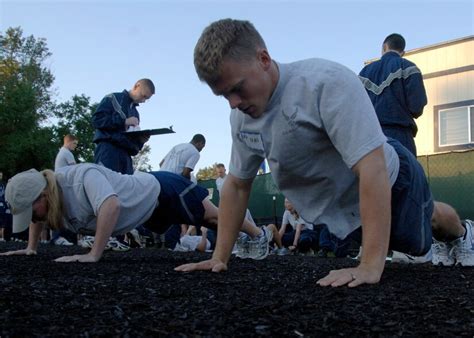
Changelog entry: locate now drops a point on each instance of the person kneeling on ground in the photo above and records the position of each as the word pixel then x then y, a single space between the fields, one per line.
pixel 295 233
pixel 91 199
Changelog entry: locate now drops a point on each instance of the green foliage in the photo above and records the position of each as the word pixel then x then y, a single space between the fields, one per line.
pixel 142 160
pixel 26 105
pixel 25 102
pixel 74 117
pixel 207 173
pixel 22 70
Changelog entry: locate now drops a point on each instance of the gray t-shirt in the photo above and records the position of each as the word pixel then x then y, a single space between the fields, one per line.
pixel 86 186
pixel 181 156
pixel 317 125
pixel 64 158
pixel 289 218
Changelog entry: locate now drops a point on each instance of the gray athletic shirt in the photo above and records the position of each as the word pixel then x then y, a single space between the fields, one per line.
pixel 64 158
pixel 289 218
pixel 181 156
pixel 86 186
pixel 317 125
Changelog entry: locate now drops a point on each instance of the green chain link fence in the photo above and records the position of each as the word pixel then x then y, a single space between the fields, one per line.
pixel 450 175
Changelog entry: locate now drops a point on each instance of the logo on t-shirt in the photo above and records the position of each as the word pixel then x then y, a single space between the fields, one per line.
pixel 291 120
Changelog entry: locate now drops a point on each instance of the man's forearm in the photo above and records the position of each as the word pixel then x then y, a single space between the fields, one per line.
pixel 375 208
pixel 106 221
pixel 375 215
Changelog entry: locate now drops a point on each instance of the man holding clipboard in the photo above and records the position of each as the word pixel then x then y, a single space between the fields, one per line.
pixel 117 113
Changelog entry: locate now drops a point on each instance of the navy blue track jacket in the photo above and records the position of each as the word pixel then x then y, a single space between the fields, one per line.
pixel 109 121
pixel 395 87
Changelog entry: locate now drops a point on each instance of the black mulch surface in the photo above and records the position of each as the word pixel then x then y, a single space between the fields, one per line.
pixel 137 293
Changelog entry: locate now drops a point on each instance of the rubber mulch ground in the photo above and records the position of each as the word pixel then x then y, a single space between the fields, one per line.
pixel 137 293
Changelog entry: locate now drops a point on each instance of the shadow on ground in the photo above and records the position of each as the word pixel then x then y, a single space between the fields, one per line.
pixel 137 293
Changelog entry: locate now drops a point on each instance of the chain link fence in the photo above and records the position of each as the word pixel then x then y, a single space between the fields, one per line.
pixel 450 175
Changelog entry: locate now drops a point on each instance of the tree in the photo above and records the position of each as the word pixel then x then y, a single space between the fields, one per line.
pixel 141 161
pixel 207 173
pixel 25 103
pixel 75 117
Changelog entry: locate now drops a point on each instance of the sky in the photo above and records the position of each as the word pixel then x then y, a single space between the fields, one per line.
pixel 100 47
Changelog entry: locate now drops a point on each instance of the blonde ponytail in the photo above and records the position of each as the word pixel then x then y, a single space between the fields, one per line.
pixel 55 201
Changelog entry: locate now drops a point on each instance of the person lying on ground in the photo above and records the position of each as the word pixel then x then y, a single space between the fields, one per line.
pixel 191 241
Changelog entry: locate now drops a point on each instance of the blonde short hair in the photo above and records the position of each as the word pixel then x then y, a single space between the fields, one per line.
pixel 69 138
pixel 236 40
pixel 148 84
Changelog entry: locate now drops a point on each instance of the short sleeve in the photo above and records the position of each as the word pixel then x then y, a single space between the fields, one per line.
pixel 285 219
pixel 70 159
pixel 192 161
pixel 244 161
pixel 97 188
pixel 349 117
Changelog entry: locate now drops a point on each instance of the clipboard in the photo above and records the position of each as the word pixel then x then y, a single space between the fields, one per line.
pixel 150 132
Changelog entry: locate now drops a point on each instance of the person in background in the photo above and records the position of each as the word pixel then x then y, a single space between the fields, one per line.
pixel 221 175
pixel 64 158
pixel 296 234
pixel 243 238
pixel 182 158
pixel 202 240
pixel 117 113
pixel 395 87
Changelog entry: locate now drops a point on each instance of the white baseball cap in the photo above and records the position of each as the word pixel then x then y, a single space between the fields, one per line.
pixel 22 190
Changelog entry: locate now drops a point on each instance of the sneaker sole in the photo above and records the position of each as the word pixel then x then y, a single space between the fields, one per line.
pixel 269 239
pixel 442 264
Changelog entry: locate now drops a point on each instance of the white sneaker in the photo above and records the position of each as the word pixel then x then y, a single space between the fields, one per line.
pixel 282 251
pixel 86 242
pixel 115 245
pixel 463 247
pixel 259 247
pixel 441 253
pixel 62 241
pixel 401 257
pixel 242 246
